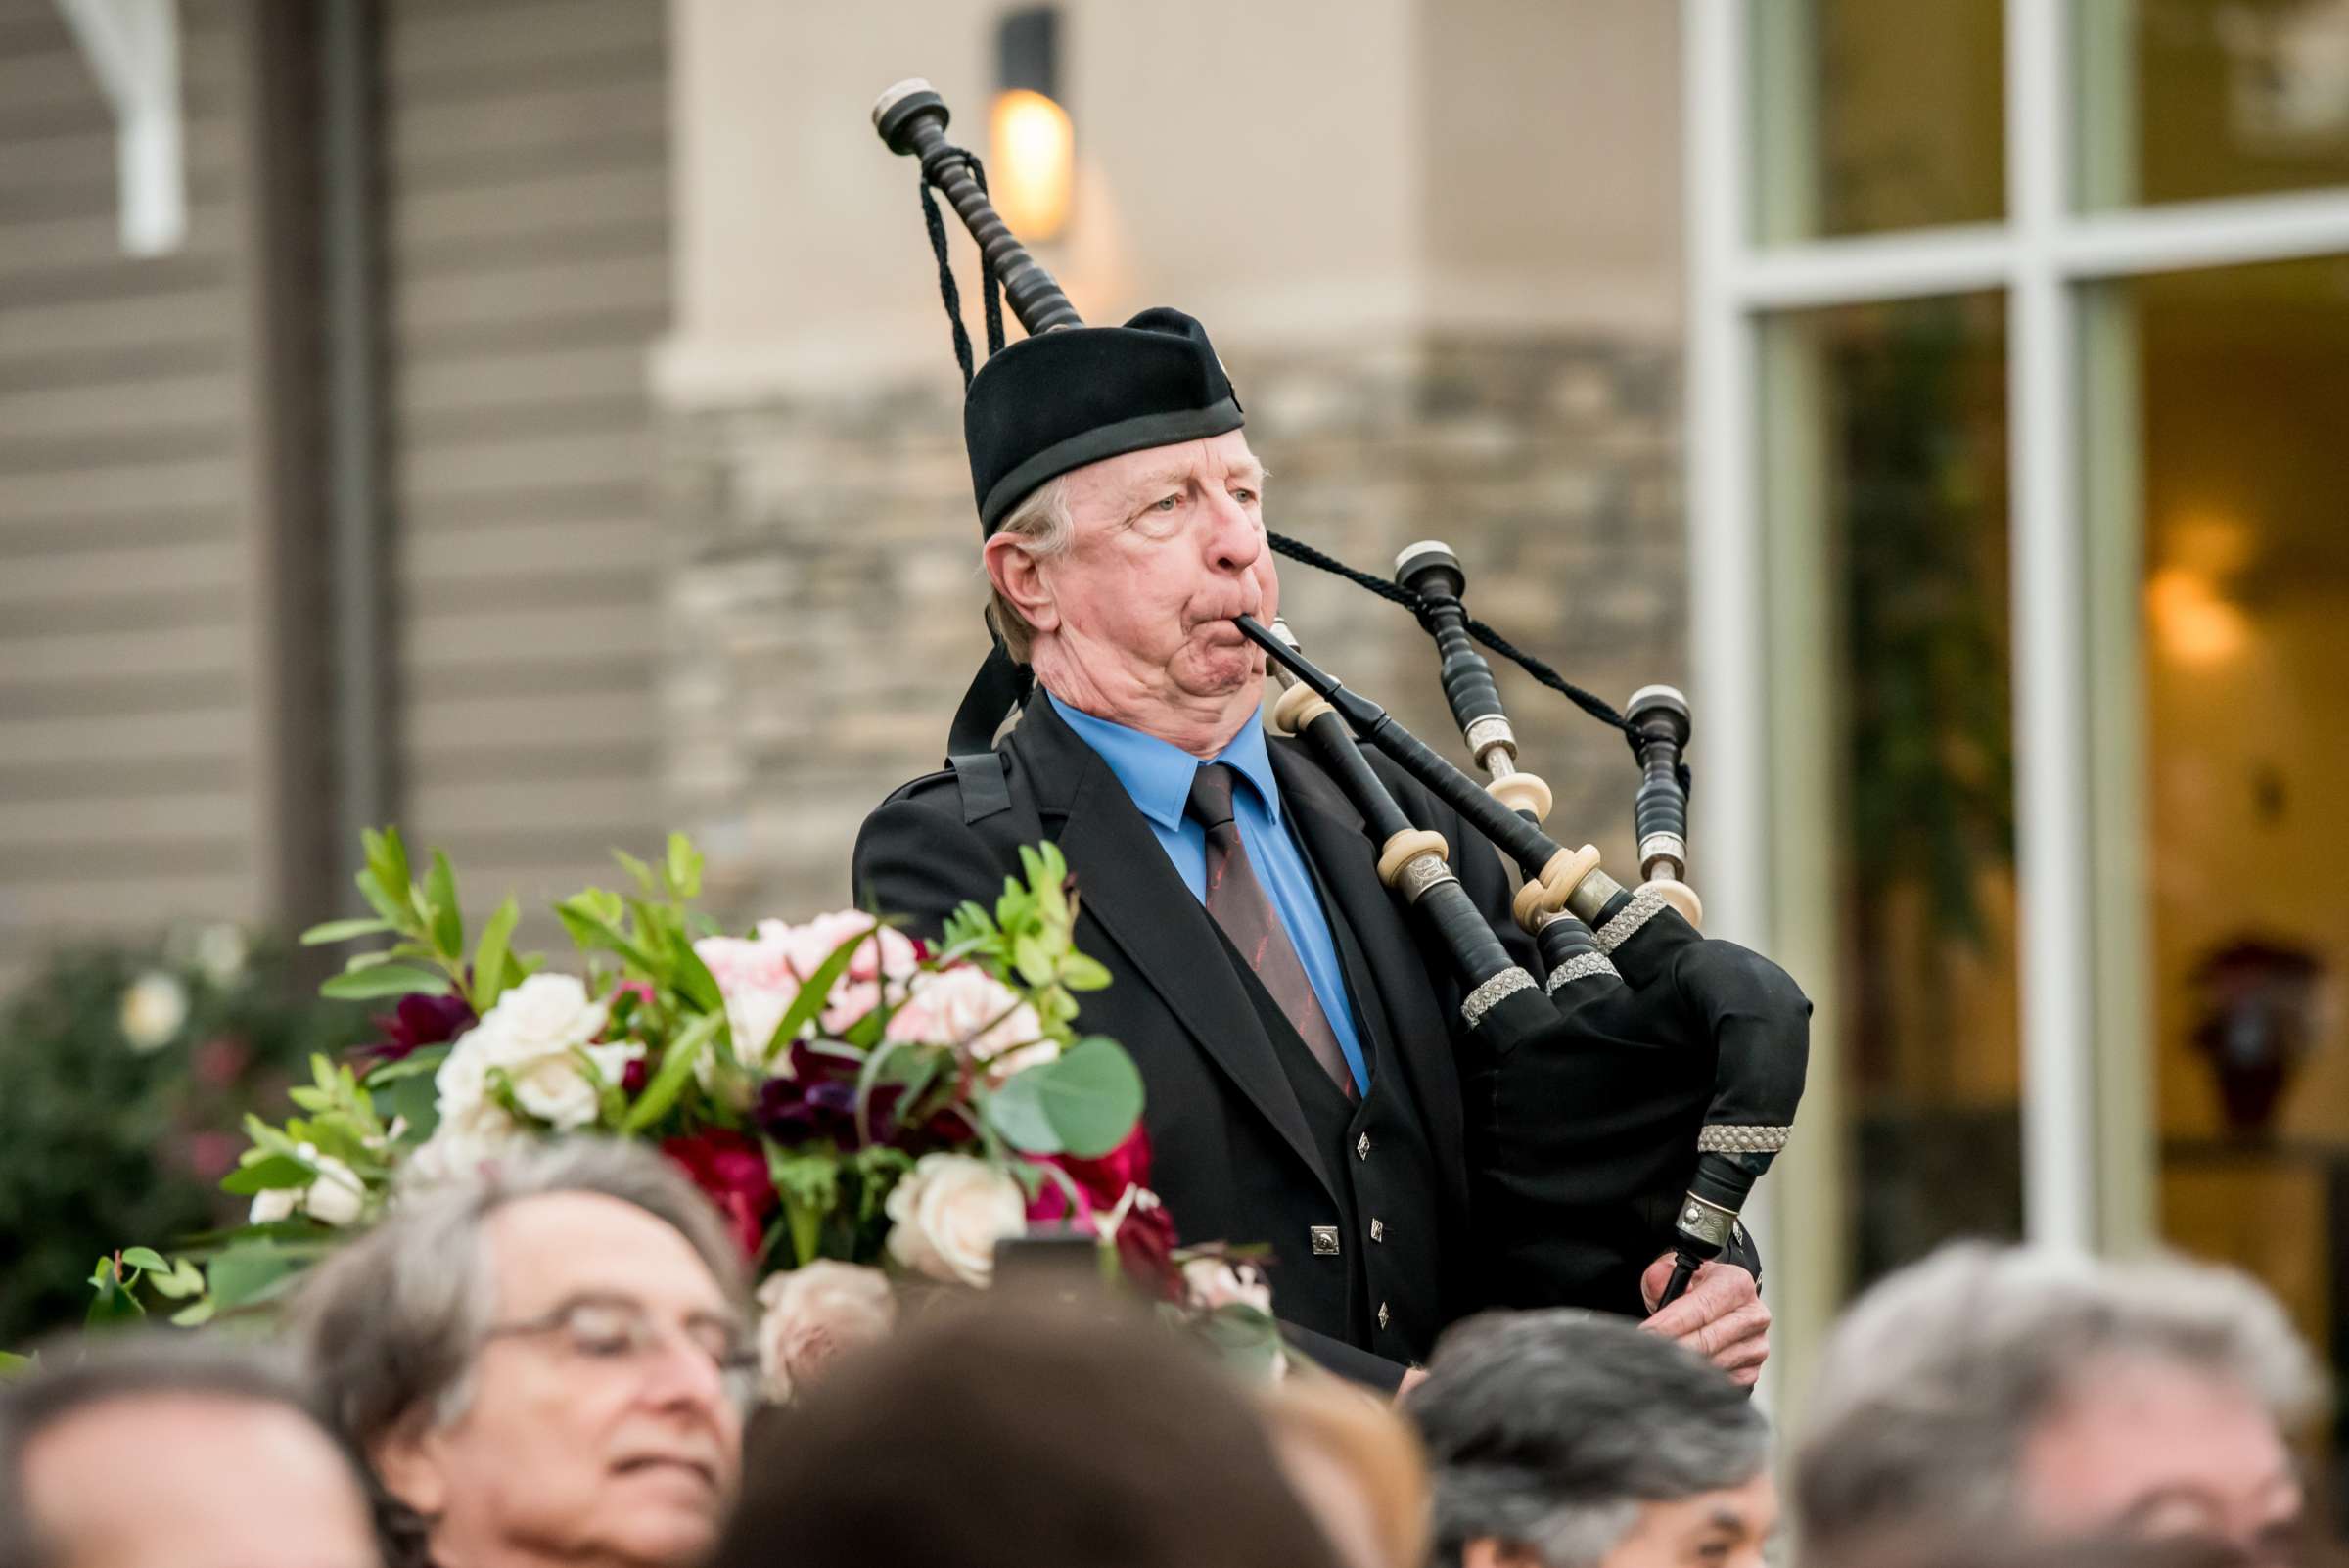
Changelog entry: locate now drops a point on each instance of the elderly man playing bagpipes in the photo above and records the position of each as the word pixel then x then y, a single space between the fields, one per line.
pixel 1429 1093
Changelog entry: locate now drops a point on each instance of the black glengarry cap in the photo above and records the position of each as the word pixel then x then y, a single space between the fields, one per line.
pixel 1052 404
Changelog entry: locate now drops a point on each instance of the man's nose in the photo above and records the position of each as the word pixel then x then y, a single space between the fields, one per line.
pixel 1233 539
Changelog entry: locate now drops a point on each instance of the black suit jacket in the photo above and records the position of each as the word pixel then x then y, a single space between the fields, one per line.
pixel 1242 1151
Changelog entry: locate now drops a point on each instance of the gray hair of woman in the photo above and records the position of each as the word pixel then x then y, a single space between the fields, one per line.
pixel 1550 1431
pixel 1932 1382
pixel 390 1326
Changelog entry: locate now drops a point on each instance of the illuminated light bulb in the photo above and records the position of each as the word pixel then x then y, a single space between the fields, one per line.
pixel 1033 163
pixel 2193 624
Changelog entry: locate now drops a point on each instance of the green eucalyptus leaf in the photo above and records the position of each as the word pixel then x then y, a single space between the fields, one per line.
pixel 196 1314
pixel 1093 1094
pixel 146 1258
pixel 381 980
pixel 1018 1114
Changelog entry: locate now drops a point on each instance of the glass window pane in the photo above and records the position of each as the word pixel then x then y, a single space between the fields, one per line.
pixel 1874 117
pixel 2238 475
pixel 2186 100
pixel 1886 508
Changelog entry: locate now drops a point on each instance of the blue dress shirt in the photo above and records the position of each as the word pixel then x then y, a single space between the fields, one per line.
pixel 1158 775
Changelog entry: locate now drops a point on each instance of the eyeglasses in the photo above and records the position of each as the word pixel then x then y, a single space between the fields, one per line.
pixel 608 1328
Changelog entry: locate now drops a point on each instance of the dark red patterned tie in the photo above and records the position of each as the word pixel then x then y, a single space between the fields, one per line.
pixel 1238 903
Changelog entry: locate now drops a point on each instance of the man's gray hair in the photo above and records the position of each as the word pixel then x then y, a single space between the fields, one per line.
pixel 78 1375
pixel 1046 529
pixel 391 1325
pixel 1548 1431
pixel 1934 1380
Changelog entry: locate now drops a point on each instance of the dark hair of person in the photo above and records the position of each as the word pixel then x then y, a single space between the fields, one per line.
pixel 76 1375
pixel 1019 1434
pixel 1550 1431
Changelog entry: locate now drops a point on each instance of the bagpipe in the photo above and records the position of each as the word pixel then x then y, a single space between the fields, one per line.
pixel 1631 1103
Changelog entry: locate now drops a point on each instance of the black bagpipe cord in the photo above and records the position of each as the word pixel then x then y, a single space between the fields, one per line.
pixel 1295 549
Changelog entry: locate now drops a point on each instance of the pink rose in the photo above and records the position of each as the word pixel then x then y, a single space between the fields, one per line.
pixel 971 1009
pixel 891 955
pixel 811 1315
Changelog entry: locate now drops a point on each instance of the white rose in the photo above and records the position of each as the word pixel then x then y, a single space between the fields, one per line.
pixel 948 1212
pixel 533 1035
pixel 337 1198
pixel 460 1145
pixel 971 1008
pixel 546 1015
pixel 154 1007
pixel 1210 1282
pixel 813 1314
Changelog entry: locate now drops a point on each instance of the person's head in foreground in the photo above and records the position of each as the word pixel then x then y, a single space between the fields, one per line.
pixel 173 1454
pixel 1358 1467
pixel 1564 1439
pixel 545 1362
pixel 1015 1432
pixel 1993 1390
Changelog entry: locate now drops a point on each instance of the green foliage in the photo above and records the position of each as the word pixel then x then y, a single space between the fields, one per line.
pixel 1032 933
pixel 1083 1104
pixel 102 1142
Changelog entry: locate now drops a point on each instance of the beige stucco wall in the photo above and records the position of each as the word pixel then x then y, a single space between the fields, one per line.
pixel 1295 175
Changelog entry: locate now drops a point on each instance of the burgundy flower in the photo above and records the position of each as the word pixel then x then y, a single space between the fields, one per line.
pixel 1146 1243
pixel 632 1078
pixel 731 1170
pixel 1100 1183
pixel 422 1018
pixel 792 1110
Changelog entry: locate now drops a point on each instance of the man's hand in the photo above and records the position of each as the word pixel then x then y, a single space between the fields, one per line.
pixel 1720 1315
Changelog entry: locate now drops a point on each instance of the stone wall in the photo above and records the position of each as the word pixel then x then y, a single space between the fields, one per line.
pixel 824 594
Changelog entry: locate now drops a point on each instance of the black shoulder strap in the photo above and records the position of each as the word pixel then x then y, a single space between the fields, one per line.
pixel 995 691
pixel 986 787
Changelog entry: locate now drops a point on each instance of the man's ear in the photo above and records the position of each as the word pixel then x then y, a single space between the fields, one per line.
pixel 412 1465
pixel 1487 1553
pixel 1020 578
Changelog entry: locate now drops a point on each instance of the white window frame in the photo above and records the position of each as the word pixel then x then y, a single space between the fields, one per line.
pixel 2039 258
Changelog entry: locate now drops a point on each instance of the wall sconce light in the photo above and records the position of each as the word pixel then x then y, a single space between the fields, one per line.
pixel 1032 160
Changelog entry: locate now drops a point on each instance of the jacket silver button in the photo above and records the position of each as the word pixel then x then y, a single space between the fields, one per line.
pixel 1362 1147
pixel 1325 1240
pixel 1378 1230
pixel 1382 1314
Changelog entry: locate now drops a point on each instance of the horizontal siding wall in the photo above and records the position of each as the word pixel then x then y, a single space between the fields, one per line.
pixel 526 231
pixel 126 681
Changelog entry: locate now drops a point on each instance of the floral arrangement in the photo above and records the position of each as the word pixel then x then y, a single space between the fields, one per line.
pixel 868 1113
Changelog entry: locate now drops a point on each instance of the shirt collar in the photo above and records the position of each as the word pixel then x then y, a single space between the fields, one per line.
pixel 1158 773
